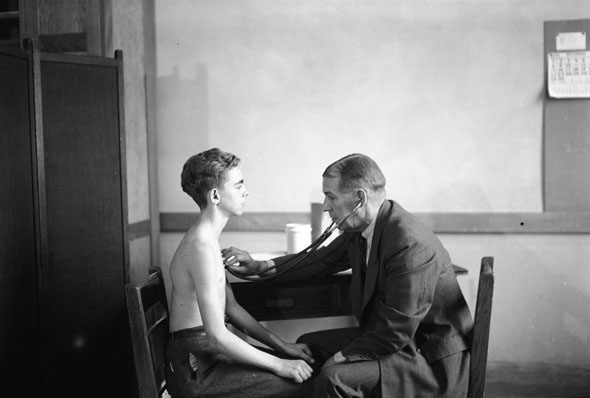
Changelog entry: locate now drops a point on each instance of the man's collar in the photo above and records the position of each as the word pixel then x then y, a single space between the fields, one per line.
pixel 368 232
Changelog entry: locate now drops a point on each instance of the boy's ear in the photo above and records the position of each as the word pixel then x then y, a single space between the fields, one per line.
pixel 214 196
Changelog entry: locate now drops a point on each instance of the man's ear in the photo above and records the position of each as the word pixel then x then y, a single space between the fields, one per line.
pixel 214 196
pixel 362 196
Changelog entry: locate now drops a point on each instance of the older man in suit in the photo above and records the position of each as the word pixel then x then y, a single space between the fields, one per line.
pixel 413 321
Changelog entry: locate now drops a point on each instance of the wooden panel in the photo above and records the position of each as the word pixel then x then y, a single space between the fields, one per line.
pixel 324 297
pixel 28 19
pixel 149 42
pixel 9 26
pixel 64 16
pixel 65 25
pixel 124 29
pixel 271 300
pixel 83 316
pixel 566 138
pixel 66 42
pixel 18 267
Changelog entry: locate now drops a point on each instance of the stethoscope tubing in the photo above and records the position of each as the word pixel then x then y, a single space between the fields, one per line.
pixel 291 263
pixel 296 259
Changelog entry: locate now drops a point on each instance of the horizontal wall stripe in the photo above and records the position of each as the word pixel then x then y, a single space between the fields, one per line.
pixel 443 223
pixel 139 229
pixel 180 222
pixel 508 223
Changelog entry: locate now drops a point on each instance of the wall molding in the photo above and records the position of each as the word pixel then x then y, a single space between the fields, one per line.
pixel 139 229
pixel 442 223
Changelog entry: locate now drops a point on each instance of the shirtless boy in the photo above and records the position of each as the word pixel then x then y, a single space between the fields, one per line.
pixel 204 357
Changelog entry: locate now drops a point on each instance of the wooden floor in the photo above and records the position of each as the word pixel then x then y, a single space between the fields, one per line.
pixel 510 380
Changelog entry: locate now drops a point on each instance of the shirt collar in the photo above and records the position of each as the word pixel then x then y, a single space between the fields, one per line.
pixel 368 232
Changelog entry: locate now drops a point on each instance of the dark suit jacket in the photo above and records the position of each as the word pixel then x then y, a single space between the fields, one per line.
pixel 411 312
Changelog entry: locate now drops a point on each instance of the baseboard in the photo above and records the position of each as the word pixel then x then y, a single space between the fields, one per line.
pixel 540 380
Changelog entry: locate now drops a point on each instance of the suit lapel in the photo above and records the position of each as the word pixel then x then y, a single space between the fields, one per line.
pixel 373 264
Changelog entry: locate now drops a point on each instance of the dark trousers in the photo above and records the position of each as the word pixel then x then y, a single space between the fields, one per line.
pixel 350 379
pixel 194 370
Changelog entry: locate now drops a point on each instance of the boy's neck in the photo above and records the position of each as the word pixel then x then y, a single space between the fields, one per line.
pixel 214 220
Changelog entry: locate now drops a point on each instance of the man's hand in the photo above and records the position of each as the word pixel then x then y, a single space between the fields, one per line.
pixel 241 261
pixel 232 256
pixel 298 350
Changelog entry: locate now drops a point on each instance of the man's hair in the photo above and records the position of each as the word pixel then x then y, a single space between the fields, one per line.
pixel 356 171
pixel 204 171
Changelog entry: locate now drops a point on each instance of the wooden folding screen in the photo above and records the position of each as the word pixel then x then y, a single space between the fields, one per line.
pixel 63 311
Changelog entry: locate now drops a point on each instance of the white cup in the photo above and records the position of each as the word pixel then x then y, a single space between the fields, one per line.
pixel 298 237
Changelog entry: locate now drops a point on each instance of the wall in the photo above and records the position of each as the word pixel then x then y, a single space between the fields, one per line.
pixel 442 92
pixel 446 95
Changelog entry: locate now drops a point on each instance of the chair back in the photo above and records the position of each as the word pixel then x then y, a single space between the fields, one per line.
pixel 481 330
pixel 148 320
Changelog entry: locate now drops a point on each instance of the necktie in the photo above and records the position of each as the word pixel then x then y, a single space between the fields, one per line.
pixel 363 250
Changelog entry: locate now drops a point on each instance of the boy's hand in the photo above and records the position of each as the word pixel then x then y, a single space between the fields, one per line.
pixel 295 369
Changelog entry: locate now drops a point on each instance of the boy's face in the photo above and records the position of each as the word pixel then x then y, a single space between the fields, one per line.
pixel 233 193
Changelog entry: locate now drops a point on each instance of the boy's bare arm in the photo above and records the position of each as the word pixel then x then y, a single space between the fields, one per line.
pixel 247 324
pixel 209 281
pixel 205 276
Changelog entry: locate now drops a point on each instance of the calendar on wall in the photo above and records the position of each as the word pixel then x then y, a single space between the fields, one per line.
pixel 568 74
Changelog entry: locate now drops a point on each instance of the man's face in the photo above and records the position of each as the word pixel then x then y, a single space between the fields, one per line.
pixel 233 193
pixel 340 204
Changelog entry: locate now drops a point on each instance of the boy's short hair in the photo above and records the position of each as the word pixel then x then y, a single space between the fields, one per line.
pixel 204 171
pixel 356 171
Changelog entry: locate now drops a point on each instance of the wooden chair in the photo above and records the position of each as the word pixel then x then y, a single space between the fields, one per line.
pixel 147 309
pixel 481 330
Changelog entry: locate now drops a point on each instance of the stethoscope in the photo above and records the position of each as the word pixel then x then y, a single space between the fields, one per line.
pixel 297 258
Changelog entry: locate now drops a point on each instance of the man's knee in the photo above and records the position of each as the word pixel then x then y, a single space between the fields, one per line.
pixel 328 379
pixel 349 380
pixel 333 382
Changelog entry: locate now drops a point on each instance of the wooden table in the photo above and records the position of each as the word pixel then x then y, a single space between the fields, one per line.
pixel 317 298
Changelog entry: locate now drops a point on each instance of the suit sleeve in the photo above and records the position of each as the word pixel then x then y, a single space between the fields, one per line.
pixel 411 276
pixel 324 261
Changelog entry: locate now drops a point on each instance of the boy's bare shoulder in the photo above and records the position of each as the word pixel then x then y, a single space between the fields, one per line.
pixel 195 248
pixel 200 239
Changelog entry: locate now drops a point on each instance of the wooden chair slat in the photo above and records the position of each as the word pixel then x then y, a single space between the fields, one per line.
pixel 481 329
pixel 147 309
